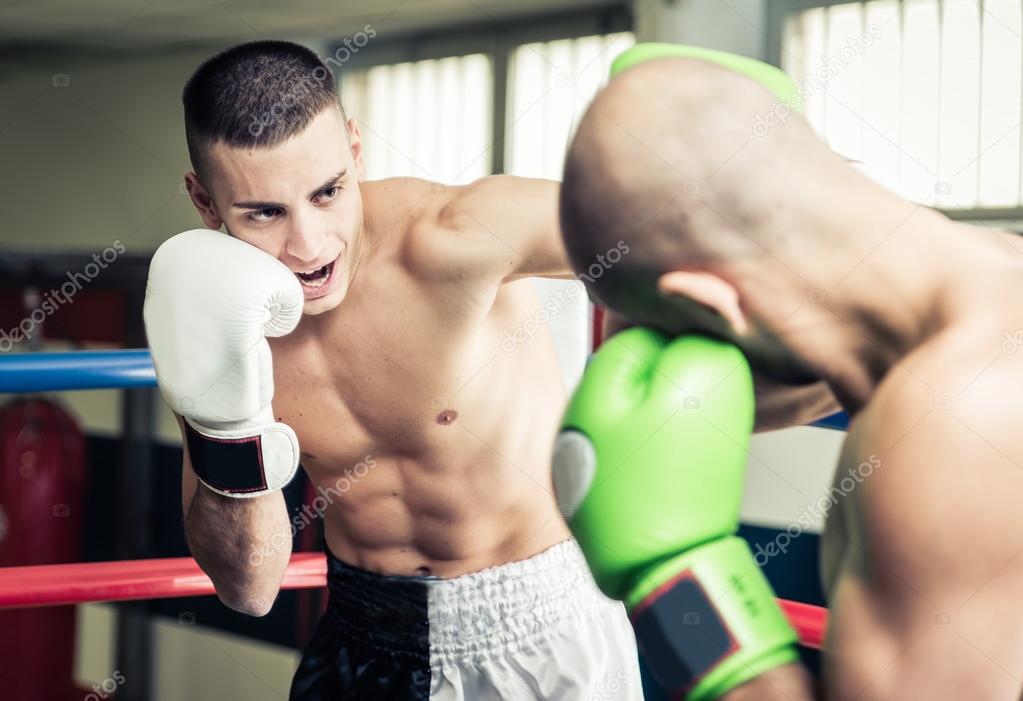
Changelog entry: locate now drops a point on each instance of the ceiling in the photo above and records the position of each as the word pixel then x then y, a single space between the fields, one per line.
pixel 137 25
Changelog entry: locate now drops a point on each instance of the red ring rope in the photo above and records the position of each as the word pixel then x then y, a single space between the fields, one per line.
pixel 810 622
pixel 87 582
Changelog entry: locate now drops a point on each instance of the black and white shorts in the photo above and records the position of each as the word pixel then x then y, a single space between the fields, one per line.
pixel 533 629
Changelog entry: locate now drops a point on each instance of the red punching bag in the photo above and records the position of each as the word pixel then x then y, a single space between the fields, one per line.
pixel 42 497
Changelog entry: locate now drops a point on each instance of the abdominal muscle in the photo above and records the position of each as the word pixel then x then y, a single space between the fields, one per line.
pixel 398 516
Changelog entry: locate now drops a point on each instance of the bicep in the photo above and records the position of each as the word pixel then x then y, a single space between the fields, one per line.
pixel 507 227
pixel 779 405
pixel 543 249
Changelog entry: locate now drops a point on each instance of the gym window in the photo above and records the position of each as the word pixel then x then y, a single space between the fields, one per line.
pixel 429 119
pixel 498 98
pixel 550 85
pixel 925 93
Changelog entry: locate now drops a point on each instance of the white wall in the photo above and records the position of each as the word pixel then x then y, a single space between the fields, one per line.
pixel 98 160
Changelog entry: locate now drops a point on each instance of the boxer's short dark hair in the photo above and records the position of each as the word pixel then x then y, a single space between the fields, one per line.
pixel 258 94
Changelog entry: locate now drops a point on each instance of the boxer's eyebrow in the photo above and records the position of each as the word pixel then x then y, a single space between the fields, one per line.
pixel 274 205
pixel 331 181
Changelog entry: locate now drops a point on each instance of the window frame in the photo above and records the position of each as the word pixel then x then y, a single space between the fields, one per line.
pixel 497 38
pixel 778 12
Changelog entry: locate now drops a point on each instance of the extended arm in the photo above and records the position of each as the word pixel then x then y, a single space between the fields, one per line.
pixel 507 227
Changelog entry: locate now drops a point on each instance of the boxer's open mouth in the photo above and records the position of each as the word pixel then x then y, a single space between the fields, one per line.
pixel 320 281
pixel 318 277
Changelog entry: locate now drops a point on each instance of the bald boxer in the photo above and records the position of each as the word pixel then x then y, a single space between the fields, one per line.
pixel 767 239
pixel 361 329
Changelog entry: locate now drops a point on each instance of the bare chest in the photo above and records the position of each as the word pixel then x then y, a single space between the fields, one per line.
pixel 377 390
pixel 403 377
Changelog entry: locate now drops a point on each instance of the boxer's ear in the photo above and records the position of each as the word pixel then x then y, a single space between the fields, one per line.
pixel 708 290
pixel 203 201
pixel 355 141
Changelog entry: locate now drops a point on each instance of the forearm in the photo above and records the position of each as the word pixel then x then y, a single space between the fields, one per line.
pixel 781 406
pixel 788 683
pixel 244 545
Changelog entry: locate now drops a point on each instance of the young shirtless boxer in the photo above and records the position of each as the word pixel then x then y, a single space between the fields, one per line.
pixel 451 572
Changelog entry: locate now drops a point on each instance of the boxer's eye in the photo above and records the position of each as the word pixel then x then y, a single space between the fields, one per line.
pixel 264 215
pixel 327 194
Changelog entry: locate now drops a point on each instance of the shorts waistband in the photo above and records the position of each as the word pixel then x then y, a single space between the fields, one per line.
pixel 515 605
pixel 486 612
pixel 386 612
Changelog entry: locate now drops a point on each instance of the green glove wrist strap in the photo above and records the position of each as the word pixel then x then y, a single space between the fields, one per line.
pixel 707 620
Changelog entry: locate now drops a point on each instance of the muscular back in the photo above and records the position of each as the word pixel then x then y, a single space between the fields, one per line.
pixel 408 377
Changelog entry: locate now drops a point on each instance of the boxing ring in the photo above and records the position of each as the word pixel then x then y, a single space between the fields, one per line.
pixel 79 583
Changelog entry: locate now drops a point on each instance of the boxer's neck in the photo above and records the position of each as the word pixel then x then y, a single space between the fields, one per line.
pixel 866 311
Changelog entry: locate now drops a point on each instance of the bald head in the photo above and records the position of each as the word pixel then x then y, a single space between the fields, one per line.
pixel 678 158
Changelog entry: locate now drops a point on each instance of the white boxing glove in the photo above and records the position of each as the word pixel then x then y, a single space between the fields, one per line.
pixel 211 301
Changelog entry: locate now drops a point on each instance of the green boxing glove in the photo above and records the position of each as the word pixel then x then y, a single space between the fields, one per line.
pixel 648 470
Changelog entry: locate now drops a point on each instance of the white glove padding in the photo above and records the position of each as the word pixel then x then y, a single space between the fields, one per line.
pixel 211 301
